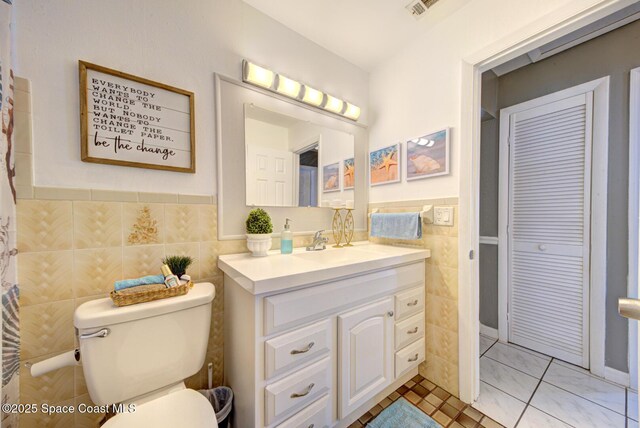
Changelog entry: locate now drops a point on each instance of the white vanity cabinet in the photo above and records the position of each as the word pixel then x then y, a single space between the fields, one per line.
pixel 326 346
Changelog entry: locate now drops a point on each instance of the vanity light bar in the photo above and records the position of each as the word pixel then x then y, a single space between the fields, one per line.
pixel 265 78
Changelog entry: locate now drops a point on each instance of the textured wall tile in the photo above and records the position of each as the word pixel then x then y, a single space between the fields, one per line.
pixel 57 420
pixel 442 312
pixel 95 271
pixel 52 387
pixel 442 343
pixel 44 225
pixel 191 249
pixel 97 224
pixel 142 260
pixel 45 276
pixel 181 223
pixel 442 373
pixel 233 246
pixel 208 222
pixel 444 250
pixel 442 281
pixel 46 328
pixel 143 224
pixel 208 259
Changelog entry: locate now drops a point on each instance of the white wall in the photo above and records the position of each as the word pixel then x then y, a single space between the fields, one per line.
pixel 177 43
pixel 419 90
pixel 262 134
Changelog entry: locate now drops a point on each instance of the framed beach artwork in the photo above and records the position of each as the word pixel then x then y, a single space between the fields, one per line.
pixel 331 177
pixel 348 172
pixel 428 156
pixel 384 165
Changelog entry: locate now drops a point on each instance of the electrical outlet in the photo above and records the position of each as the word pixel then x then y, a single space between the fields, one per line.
pixel 443 216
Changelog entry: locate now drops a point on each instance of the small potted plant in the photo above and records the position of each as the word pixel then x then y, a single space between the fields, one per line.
pixel 178 264
pixel 259 229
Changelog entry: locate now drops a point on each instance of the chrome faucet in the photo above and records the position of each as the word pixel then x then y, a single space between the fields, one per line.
pixel 319 242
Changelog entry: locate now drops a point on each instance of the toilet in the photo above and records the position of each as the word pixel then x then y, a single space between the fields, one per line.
pixel 138 357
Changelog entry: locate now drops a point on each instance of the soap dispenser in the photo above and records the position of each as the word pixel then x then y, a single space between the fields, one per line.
pixel 286 239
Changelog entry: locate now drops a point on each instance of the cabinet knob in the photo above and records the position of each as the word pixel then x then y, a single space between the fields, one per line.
pixel 390 313
pixel 542 247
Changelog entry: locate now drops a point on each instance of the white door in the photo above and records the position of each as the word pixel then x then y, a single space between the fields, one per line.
pixel 366 353
pixel 270 176
pixel 549 227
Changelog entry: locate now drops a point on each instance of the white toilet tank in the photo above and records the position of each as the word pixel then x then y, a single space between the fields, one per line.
pixel 146 347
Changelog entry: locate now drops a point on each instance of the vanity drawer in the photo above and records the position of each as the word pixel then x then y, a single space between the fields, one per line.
pixel 288 309
pixel 288 350
pixel 409 303
pixel 409 330
pixel 409 357
pixel 315 415
pixel 297 390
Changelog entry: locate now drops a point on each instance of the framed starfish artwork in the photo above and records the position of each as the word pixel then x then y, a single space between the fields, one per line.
pixel 349 172
pixel 384 165
pixel 428 156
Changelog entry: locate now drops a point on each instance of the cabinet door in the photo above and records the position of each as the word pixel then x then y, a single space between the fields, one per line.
pixel 366 353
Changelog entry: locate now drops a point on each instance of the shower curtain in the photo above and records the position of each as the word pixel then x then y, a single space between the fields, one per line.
pixel 8 274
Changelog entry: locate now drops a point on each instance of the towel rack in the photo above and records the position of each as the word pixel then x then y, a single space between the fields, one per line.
pixel 426 214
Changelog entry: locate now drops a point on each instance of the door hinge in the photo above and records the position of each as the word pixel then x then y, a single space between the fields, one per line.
pixel 471 255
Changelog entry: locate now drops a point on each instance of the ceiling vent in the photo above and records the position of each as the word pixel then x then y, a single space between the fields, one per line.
pixel 418 7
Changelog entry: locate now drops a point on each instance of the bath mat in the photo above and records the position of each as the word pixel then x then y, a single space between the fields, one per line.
pixel 403 414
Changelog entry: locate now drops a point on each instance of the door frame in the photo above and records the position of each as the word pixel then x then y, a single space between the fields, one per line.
pixel 634 214
pixel 598 208
pixel 308 144
pixel 570 17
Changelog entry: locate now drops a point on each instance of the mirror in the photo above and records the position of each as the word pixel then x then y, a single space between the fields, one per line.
pixel 295 163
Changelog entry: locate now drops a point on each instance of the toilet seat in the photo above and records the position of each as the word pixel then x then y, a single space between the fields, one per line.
pixel 183 408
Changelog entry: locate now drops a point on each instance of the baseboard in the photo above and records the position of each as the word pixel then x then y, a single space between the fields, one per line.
pixel 616 376
pixel 489 331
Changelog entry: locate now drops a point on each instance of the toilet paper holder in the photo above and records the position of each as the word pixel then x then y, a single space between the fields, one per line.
pixel 70 358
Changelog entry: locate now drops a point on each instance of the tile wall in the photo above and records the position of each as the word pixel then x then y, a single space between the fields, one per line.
pixel 441 278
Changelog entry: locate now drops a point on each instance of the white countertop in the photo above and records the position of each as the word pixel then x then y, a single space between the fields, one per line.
pixel 280 272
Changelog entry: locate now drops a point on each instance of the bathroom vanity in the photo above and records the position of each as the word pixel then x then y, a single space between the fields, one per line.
pixel 315 339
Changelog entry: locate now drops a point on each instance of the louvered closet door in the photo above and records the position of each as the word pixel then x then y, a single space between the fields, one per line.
pixel 550 176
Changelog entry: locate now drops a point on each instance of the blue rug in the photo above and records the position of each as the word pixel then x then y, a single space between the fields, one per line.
pixel 403 414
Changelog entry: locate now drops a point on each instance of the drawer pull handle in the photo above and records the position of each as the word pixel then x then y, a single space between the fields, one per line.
pixel 411 360
pixel 304 350
pixel 311 426
pixel 308 389
pixel 415 302
pixel 414 331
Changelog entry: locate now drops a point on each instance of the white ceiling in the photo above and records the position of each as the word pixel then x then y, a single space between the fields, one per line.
pixel 364 32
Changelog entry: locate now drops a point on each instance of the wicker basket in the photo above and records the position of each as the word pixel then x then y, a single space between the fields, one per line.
pixel 148 293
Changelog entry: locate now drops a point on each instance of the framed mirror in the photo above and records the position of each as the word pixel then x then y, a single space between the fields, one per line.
pixel 296 163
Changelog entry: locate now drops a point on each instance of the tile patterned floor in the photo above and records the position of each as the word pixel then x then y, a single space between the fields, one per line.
pixel 444 408
pixel 522 388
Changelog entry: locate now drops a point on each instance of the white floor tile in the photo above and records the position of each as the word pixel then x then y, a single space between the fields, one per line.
pixel 574 410
pixel 632 404
pixel 525 361
pixel 507 379
pixel 499 405
pixel 485 343
pixel 632 424
pixel 534 418
pixel 587 386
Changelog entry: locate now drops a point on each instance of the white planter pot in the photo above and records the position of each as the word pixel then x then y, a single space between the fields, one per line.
pixel 259 243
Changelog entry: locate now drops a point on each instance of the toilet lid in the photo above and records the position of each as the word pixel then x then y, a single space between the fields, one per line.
pixel 184 408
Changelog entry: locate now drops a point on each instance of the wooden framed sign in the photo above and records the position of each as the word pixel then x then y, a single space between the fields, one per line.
pixel 130 121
